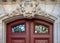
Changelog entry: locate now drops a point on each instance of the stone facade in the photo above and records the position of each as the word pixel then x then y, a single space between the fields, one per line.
pixel 36 10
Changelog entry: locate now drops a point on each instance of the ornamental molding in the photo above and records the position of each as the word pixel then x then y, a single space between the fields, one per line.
pixel 28 10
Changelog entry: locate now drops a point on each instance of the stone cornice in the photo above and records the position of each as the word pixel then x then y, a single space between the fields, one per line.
pixel 7 3
pixel 40 1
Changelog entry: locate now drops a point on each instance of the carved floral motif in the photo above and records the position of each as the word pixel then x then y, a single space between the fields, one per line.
pixel 28 9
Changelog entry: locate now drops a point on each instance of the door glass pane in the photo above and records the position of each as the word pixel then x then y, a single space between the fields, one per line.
pixel 19 28
pixel 41 29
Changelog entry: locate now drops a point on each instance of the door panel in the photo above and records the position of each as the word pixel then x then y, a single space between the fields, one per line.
pixel 43 33
pixel 29 31
pixel 18 34
pixel 21 40
pixel 41 40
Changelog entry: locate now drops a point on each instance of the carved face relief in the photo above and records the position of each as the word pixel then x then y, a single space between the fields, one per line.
pixel 28 9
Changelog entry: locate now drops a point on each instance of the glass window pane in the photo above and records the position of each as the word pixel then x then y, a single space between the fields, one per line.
pixel 18 28
pixel 41 29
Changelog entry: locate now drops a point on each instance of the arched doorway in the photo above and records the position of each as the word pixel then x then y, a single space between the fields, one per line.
pixel 29 31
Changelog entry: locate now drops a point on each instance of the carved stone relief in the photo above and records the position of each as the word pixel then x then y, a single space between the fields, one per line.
pixel 28 9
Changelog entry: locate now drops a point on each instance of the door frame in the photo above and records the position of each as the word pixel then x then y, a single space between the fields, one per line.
pixel 55 27
pixel 43 22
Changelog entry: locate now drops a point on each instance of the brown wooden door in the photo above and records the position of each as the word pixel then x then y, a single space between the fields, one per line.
pixel 29 31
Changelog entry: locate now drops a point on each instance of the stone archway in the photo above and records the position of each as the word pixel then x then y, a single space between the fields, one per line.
pixel 9 19
pixel 27 14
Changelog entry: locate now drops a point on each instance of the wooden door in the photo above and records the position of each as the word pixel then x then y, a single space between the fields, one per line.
pixel 41 32
pixel 29 31
pixel 16 36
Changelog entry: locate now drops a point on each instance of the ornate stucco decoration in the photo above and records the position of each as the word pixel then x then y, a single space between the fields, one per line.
pixel 28 9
